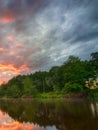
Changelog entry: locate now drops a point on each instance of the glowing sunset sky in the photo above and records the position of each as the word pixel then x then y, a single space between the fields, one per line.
pixel 38 34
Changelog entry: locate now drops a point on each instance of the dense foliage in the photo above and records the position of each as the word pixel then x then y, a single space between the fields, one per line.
pixel 69 77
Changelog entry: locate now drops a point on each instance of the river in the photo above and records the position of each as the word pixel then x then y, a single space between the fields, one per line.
pixel 48 115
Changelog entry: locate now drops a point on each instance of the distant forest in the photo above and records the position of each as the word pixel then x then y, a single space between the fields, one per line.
pixel 71 77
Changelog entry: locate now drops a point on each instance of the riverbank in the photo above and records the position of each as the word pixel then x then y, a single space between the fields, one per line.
pixel 89 94
pixel 58 95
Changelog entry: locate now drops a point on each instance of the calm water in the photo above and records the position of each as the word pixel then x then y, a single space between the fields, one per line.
pixel 48 115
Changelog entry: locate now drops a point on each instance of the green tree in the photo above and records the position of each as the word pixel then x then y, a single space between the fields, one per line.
pixel 94 63
pixel 72 87
pixel 75 70
pixel 94 56
pixel 29 88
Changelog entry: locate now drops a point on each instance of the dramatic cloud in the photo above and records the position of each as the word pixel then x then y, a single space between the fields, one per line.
pixel 38 34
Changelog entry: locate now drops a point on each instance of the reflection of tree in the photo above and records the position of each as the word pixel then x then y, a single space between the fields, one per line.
pixel 94 108
pixel 64 115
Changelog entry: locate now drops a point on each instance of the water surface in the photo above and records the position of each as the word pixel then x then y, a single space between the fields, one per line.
pixel 48 115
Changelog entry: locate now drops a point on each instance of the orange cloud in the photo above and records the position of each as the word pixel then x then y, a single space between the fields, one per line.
pixel 9 68
pixel 1 49
pixel 24 68
pixel 19 45
pixel 7 17
pixel 12 70
pixel 3 82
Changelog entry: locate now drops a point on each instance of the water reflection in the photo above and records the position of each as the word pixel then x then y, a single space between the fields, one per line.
pixel 48 115
pixel 7 123
pixel 94 108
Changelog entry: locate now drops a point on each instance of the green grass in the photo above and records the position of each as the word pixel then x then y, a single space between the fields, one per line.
pixel 51 95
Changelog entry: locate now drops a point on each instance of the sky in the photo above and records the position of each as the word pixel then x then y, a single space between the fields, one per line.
pixel 38 34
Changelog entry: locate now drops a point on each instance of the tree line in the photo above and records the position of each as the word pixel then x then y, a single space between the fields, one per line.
pixel 67 78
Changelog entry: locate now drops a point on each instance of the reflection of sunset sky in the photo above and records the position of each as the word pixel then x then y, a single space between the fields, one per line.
pixel 7 123
pixel 38 34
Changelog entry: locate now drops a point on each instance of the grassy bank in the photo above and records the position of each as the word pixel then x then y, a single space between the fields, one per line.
pixel 61 95
pixel 51 95
pixel 83 94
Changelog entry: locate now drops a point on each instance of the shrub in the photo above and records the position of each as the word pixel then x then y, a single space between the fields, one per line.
pixel 72 87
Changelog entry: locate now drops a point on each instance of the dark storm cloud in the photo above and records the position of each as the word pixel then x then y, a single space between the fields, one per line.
pixel 43 33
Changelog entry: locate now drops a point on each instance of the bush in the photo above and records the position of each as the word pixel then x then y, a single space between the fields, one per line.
pixel 72 87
